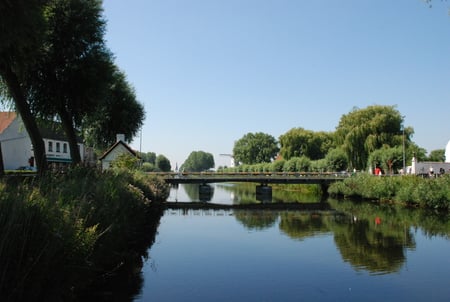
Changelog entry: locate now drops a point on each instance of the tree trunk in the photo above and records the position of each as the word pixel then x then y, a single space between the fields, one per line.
pixel 67 124
pixel 2 167
pixel 28 119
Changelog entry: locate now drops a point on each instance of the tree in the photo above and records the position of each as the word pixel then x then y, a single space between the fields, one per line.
pixel 119 112
pixel 198 161
pixel 162 163
pixel 388 159
pixel 336 160
pixel 254 148
pixel 74 69
pixel 300 142
pixel 437 155
pixel 363 131
pixel 149 157
pixel 22 27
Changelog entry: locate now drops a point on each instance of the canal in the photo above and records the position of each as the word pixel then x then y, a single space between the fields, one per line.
pixel 357 251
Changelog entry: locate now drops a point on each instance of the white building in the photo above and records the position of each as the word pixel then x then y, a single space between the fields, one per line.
pixel 17 149
pixel 119 148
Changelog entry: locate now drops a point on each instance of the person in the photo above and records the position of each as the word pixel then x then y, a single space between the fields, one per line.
pixel 377 170
pixel 31 161
pixel 431 171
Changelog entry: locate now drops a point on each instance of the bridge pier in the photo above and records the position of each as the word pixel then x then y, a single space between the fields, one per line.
pixel 264 193
pixel 205 192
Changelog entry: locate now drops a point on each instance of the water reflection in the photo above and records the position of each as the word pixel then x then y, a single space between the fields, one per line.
pixel 257 220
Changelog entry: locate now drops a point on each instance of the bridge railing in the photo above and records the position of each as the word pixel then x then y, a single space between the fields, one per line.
pixel 247 174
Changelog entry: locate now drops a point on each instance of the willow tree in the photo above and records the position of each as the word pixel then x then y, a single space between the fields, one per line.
pixel 22 29
pixel 299 142
pixel 74 72
pixel 363 131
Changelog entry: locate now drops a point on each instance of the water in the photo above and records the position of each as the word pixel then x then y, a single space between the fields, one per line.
pixel 360 252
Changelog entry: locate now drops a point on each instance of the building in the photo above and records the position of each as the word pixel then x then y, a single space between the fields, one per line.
pixel 119 148
pixel 17 149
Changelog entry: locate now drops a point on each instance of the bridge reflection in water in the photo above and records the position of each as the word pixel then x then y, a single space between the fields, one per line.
pixel 263 190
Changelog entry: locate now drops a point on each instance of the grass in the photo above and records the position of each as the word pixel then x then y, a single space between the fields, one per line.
pixel 59 234
pixel 407 190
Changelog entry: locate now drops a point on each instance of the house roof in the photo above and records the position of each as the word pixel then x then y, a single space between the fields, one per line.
pixel 52 131
pixel 114 146
pixel 6 118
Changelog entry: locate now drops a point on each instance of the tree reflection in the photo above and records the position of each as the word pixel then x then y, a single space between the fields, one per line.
pixel 256 220
pixel 301 225
pixel 373 238
pixel 371 247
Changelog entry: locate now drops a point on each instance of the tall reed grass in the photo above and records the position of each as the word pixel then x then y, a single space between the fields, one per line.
pixel 410 190
pixel 59 234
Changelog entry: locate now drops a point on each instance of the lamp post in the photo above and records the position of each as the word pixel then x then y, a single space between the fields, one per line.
pixel 403 142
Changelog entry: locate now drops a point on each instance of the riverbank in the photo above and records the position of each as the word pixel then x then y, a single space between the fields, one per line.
pixel 60 234
pixel 408 190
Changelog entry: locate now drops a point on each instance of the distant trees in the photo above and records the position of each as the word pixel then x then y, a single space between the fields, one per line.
pixel 300 142
pixel 163 163
pixel 198 161
pixel 437 155
pixel 254 148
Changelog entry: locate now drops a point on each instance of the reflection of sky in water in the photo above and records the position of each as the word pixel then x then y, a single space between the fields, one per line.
pixel 219 194
pixel 212 256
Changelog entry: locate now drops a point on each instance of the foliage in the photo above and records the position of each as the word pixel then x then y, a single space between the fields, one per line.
pixel 117 112
pixel 363 131
pixel 148 157
pixel 437 155
pixel 278 165
pixel 57 234
pixel 163 163
pixel 148 167
pixel 297 164
pixel 389 160
pixel 22 27
pixel 125 161
pixel 198 161
pixel 410 190
pixel 254 148
pixel 336 160
pixel 299 142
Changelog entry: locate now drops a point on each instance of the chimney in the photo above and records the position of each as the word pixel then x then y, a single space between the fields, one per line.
pixel 120 137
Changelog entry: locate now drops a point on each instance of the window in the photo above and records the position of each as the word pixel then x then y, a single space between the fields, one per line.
pixel 64 148
pixel 50 146
pixel 58 148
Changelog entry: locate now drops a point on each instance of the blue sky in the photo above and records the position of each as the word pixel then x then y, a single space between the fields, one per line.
pixel 210 71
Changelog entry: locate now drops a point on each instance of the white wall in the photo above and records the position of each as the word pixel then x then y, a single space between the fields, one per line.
pixel 16 146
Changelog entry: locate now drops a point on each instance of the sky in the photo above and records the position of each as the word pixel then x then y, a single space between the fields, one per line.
pixel 210 71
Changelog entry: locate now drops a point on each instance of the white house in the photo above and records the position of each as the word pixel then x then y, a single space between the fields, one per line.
pixel 16 144
pixel 119 148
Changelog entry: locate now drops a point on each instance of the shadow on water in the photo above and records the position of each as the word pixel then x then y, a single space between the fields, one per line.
pixel 125 282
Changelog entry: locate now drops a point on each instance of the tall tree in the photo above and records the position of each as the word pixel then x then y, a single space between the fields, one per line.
pixel 118 112
pixel 73 73
pixel 300 142
pixel 363 131
pixel 163 163
pixel 255 148
pixel 22 28
pixel 198 161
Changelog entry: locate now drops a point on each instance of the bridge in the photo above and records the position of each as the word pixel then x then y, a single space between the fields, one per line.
pixel 263 178
pixel 263 190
